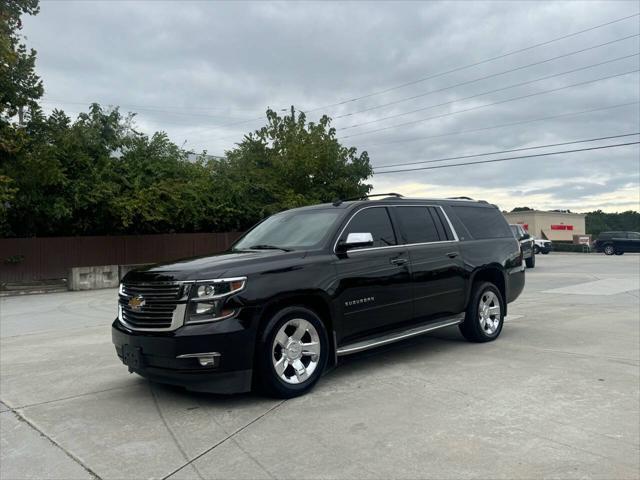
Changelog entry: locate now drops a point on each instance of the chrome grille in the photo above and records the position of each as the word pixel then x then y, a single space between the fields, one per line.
pixel 160 291
pixel 162 308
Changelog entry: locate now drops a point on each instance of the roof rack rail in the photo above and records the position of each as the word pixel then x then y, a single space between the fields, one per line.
pixel 467 198
pixel 338 202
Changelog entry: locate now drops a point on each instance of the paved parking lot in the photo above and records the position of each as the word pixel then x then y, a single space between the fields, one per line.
pixel 557 396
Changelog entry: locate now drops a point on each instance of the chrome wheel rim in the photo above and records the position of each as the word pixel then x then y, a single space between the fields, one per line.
pixel 489 312
pixel 295 352
pixel 608 250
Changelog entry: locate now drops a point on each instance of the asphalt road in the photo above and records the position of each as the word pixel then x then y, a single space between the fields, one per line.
pixel 556 396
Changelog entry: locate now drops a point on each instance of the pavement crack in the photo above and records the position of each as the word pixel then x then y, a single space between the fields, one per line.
pixel 53 442
pixel 228 437
pixel 170 430
pixel 29 405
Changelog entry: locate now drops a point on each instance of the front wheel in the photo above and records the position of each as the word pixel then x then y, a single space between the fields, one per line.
pixel 293 353
pixel 609 250
pixel 536 249
pixel 485 314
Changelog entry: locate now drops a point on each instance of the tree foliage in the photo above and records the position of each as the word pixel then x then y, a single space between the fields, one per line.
pixel 600 221
pixel 98 175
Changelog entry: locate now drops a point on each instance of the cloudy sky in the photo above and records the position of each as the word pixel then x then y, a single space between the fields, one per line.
pixel 398 79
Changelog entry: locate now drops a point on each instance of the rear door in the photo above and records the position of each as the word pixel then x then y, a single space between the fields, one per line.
pixel 437 274
pixel 374 289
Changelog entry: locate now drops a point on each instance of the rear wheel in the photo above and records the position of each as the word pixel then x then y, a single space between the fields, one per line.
pixel 293 353
pixel 485 314
pixel 609 250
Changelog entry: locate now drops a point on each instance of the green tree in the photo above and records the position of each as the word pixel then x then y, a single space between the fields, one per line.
pixel 600 221
pixel 288 163
pixel 522 209
pixel 20 87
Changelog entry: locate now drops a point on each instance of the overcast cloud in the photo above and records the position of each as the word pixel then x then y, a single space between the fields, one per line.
pixel 193 68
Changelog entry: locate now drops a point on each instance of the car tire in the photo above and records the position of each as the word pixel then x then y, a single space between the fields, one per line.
pixel 545 252
pixel 609 250
pixel 531 261
pixel 536 249
pixel 292 352
pixel 483 321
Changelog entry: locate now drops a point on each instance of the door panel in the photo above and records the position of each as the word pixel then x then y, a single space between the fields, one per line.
pixel 438 279
pixel 374 291
pixel 634 241
pixel 374 284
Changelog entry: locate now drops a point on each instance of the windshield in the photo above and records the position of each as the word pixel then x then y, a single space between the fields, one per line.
pixel 292 229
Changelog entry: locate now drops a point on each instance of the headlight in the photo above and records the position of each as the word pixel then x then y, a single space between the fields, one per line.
pixel 207 299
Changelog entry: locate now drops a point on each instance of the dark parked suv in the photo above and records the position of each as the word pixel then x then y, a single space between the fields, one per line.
pixel 309 285
pixel 617 242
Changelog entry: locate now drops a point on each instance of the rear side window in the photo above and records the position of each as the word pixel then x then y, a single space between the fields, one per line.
pixel 633 235
pixel 375 221
pixel 483 222
pixel 417 225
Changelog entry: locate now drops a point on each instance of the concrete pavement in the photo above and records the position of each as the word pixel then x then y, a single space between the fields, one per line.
pixel 557 396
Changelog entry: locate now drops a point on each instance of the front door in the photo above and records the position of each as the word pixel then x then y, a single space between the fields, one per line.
pixel 374 290
pixel 633 242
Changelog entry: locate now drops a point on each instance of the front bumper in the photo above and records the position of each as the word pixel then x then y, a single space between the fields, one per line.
pixel 154 355
pixel 545 248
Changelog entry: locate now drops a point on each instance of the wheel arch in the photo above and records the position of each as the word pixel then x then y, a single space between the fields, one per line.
pixel 493 274
pixel 316 301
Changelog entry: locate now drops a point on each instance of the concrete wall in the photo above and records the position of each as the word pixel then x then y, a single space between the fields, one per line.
pixel 92 278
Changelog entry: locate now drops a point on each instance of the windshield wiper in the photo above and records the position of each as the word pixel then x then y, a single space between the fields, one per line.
pixel 269 247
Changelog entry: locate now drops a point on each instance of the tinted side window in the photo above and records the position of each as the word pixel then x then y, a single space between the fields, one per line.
pixel 483 222
pixel 417 224
pixel 633 235
pixel 374 221
pixel 448 234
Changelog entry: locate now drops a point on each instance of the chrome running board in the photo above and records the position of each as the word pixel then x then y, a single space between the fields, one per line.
pixel 397 335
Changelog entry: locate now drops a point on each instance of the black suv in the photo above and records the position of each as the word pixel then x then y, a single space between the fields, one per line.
pixel 309 285
pixel 617 242
pixel 527 244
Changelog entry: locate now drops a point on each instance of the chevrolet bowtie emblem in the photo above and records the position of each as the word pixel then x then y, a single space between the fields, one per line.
pixel 136 303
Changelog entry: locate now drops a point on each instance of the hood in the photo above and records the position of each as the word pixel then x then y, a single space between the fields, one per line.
pixel 210 266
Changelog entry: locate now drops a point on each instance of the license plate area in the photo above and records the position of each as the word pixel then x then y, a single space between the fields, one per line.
pixel 132 357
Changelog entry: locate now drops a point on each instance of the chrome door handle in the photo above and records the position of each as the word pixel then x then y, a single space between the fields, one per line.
pixel 399 261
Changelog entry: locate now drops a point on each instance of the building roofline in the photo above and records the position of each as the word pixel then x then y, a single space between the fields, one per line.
pixel 546 212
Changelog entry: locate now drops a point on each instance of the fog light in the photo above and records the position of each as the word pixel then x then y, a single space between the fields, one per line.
pixel 207 361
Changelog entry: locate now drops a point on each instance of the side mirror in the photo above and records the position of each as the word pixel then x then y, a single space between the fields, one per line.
pixel 356 240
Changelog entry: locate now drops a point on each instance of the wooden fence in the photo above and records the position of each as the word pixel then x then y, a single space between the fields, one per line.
pixel 33 259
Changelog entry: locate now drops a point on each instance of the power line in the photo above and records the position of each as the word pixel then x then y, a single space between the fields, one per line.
pixel 520 84
pixel 464 67
pixel 143 108
pixel 510 158
pixel 510 124
pixel 505 151
pixel 468 82
pixel 488 104
pixel 457 69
